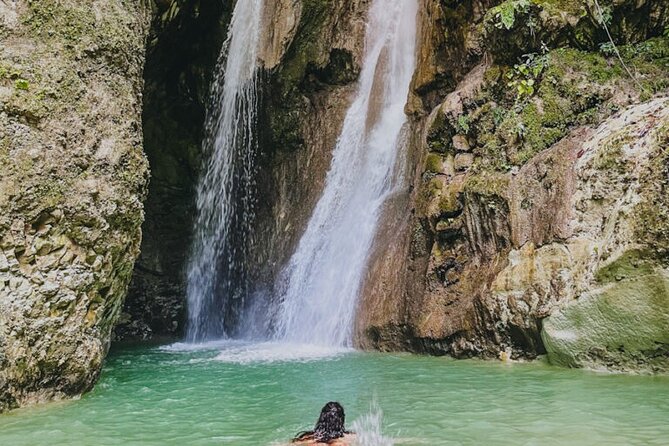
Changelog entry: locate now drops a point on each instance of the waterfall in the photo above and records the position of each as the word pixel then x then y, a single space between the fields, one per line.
pixel 319 286
pixel 215 276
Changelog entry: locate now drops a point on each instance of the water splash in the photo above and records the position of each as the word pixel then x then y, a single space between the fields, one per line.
pixel 319 287
pixel 225 193
pixel 368 429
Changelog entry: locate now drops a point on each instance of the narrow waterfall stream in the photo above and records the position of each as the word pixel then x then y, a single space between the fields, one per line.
pixel 320 285
pixel 216 276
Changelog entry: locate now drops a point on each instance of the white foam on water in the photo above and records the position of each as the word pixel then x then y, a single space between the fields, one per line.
pixel 269 352
pixel 245 352
pixel 184 347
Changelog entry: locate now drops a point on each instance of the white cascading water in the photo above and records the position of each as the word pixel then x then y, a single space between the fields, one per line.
pixel 320 285
pixel 224 193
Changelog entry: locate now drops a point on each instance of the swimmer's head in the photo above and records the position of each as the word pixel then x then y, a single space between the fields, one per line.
pixel 330 423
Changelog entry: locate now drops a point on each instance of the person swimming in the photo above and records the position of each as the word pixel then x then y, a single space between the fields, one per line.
pixel 329 428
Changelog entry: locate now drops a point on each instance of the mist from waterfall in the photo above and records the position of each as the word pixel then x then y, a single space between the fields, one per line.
pixel 319 287
pixel 216 276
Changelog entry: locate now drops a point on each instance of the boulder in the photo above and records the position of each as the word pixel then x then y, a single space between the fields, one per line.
pixel 72 180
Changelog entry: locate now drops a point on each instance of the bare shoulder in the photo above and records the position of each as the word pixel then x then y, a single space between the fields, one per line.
pixel 346 440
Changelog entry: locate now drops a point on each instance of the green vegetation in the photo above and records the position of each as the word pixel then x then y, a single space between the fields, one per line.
pixel 75 32
pixel 463 124
pixel 22 84
pixel 610 156
pixel 525 108
pixel 449 202
pixel 525 74
pixel 308 47
pixel 433 163
pixel 631 264
pixel 49 17
pixel 653 213
pixel 487 184
pixel 504 15
pixel 531 15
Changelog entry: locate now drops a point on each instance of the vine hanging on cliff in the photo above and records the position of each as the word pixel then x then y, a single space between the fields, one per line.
pixel 604 18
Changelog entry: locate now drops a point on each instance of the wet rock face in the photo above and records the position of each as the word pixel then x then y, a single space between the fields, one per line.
pixel 600 277
pixel 449 46
pixel 310 68
pixel 73 178
pixel 617 313
pixel 528 178
pixel 310 60
pixel 182 49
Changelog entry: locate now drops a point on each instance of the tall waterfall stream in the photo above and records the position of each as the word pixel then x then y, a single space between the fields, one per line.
pixel 225 191
pixel 322 280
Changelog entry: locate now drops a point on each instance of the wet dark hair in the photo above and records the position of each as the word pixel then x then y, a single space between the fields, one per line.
pixel 330 425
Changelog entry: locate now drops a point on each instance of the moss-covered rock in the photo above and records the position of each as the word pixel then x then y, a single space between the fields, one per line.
pixel 524 109
pixel 622 326
pixel 517 27
pixel 621 321
pixel 72 180
pixel 306 92
pixel 568 175
pixel 317 57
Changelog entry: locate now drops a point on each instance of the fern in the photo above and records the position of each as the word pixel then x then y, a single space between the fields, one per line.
pixel 505 14
pixel 463 123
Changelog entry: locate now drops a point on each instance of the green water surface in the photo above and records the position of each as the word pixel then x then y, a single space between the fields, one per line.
pixel 237 394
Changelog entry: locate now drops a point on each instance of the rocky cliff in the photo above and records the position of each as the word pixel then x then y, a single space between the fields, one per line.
pixel 73 178
pixel 533 220
pixel 540 175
